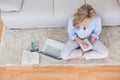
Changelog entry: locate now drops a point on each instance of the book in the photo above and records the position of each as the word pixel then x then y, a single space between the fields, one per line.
pixel 89 46
pixel 30 58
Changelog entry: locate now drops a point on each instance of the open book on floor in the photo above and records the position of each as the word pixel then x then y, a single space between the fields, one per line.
pixel 30 58
pixel 89 46
pixel 52 48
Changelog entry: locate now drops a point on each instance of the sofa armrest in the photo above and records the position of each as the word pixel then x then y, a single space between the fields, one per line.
pixel 11 5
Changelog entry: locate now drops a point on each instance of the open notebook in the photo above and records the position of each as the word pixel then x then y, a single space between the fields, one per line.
pixel 89 46
pixel 53 48
pixel 30 58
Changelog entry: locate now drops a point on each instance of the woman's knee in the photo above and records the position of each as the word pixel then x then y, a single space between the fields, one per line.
pixel 68 48
pixel 64 55
pixel 105 53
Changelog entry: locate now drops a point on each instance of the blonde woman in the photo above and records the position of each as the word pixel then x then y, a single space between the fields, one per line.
pixel 85 24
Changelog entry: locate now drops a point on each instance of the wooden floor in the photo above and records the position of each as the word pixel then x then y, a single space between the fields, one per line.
pixel 59 73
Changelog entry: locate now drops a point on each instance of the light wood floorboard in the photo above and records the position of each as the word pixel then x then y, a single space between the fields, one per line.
pixel 60 73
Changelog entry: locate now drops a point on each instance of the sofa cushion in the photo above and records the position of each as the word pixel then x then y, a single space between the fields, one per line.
pixel 10 5
pixel 37 13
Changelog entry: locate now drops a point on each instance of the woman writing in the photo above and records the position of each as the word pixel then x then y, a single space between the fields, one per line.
pixel 85 24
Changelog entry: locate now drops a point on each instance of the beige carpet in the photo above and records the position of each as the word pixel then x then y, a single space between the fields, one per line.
pixel 14 42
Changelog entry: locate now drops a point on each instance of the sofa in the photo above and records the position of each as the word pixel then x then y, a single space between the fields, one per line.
pixel 53 13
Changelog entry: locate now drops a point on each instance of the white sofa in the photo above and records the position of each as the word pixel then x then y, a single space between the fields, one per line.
pixel 53 13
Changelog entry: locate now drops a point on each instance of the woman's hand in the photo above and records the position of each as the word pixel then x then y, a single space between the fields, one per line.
pixel 85 45
pixel 92 40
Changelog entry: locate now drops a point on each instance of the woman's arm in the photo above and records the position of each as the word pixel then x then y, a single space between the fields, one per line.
pixel 92 40
pixel 84 44
pixel 78 40
pixel 71 29
pixel 97 30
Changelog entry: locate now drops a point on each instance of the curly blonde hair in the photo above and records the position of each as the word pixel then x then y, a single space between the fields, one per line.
pixel 85 11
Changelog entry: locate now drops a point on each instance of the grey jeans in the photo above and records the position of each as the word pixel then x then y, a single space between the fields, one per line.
pixel 71 50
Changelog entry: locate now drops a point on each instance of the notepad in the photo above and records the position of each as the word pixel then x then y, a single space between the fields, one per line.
pixel 30 58
pixel 89 46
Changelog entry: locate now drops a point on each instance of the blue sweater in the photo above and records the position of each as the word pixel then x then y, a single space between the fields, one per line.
pixel 93 29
